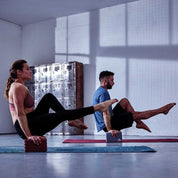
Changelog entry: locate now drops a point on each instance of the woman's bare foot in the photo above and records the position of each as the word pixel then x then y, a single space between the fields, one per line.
pixel 167 108
pixel 104 105
pixel 141 125
pixel 77 123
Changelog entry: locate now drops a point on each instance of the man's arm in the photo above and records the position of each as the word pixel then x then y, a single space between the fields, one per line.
pixel 107 121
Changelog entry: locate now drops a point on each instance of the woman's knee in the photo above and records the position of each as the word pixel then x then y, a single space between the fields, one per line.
pixel 48 95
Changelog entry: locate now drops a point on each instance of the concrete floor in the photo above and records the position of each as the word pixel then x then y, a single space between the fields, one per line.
pixel 163 163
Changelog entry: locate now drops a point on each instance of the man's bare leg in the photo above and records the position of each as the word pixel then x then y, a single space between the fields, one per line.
pixel 126 105
pixel 141 125
pixel 129 108
pixel 138 116
pixel 150 113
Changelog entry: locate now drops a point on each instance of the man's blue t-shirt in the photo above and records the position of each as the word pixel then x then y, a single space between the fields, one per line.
pixel 100 95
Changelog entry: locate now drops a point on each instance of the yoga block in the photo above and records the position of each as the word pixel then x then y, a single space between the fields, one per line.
pixel 29 146
pixel 110 138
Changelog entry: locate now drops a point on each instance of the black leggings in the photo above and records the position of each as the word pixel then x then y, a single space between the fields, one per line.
pixel 40 121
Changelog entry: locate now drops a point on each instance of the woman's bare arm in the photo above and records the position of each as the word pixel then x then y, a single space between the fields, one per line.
pixel 18 94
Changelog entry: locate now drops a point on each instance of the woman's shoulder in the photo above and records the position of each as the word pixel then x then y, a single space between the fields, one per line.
pixel 17 90
pixel 18 87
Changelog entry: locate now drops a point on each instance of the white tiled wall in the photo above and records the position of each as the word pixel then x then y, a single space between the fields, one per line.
pixel 138 42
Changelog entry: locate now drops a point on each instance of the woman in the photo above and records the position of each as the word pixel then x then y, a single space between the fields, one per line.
pixel 32 123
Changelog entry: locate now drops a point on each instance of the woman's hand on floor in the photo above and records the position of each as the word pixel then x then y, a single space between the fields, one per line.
pixel 36 139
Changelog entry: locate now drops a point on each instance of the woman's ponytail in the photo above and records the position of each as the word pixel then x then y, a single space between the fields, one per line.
pixel 17 65
pixel 8 84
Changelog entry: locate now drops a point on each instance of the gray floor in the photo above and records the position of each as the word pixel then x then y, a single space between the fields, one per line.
pixel 163 163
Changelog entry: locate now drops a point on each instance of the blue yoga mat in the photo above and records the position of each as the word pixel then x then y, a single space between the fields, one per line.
pixel 107 149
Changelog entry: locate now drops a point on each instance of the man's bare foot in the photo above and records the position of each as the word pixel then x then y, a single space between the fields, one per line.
pixel 77 123
pixel 167 107
pixel 104 105
pixel 141 125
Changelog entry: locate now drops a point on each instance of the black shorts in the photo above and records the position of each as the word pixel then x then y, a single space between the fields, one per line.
pixel 121 118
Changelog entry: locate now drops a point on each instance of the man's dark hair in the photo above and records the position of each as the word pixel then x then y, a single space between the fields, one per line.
pixel 104 74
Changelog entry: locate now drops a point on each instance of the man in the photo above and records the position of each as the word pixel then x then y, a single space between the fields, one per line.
pixel 122 115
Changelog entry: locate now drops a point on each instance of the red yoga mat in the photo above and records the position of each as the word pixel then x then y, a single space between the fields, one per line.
pixel 123 141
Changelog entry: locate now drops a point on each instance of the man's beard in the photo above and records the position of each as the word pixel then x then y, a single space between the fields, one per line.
pixel 109 86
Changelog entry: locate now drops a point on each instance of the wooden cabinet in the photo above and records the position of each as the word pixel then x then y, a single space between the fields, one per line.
pixel 65 81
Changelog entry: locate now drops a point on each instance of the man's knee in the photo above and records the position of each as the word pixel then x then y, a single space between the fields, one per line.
pixel 124 101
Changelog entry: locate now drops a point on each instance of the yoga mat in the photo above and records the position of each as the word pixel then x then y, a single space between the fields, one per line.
pixel 123 141
pixel 107 149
